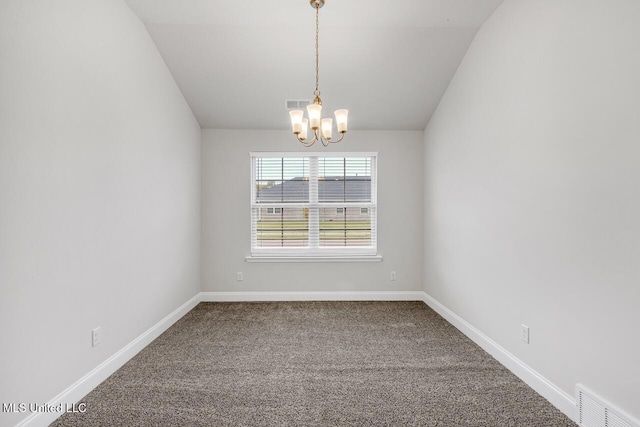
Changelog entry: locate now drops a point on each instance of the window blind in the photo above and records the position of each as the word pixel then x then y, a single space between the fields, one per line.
pixel 315 205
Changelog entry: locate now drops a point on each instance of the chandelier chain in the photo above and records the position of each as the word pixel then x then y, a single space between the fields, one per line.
pixel 317 91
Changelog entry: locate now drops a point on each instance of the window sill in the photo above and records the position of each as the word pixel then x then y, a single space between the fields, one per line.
pixel 346 258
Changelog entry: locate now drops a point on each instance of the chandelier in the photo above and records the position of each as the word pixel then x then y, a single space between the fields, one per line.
pixel 322 128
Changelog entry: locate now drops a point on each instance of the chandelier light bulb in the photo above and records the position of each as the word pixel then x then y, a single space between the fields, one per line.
pixel 327 124
pixel 341 120
pixel 296 120
pixel 305 128
pixel 315 114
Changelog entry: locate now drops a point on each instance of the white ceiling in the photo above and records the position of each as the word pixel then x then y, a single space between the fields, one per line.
pixel 387 62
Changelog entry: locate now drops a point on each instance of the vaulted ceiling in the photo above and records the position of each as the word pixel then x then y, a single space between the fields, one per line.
pixel 387 62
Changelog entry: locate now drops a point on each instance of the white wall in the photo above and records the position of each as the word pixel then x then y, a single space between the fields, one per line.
pixel 226 215
pixel 532 195
pixel 99 191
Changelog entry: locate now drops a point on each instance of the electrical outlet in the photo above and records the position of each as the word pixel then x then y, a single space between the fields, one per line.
pixel 524 333
pixel 96 336
pixel 393 276
pixel 239 276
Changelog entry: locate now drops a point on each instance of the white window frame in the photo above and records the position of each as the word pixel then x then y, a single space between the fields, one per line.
pixel 314 252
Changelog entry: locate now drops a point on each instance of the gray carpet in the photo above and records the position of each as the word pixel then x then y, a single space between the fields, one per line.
pixel 314 364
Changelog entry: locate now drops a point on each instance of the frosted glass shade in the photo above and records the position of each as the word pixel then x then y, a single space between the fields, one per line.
pixel 327 124
pixel 296 120
pixel 315 114
pixel 305 127
pixel 341 120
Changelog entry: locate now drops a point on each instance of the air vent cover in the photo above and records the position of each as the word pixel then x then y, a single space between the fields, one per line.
pixel 296 104
pixel 593 411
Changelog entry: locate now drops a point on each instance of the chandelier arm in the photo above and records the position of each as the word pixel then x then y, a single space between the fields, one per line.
pixel 326 141
pixel 318 137
pixel 340 139
pixel 315 137
pixel 308 143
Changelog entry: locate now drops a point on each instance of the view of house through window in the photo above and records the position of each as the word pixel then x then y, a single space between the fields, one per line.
pixel 313 204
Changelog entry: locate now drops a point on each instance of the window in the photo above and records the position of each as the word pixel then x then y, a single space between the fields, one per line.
pixel 325 204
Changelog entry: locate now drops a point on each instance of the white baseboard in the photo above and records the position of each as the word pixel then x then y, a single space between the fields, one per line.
pixel 540 384
pixel 91 380
pixel 313 296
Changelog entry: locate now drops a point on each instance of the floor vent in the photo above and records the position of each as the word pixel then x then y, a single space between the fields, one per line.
pixel 593 411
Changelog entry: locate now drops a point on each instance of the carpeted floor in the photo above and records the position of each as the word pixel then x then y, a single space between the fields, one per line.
pixel 314 364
